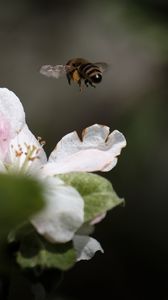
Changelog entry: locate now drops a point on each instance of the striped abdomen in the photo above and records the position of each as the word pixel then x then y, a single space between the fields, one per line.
pixel 90 72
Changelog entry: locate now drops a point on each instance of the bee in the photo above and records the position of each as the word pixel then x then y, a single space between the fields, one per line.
pixel 78 70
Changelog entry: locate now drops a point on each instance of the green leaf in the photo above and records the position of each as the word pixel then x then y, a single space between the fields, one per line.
pixel 97 192
pixel 20 197
pixel 37 252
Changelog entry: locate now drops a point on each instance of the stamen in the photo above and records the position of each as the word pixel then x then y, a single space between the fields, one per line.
pixel 29 156
pixel 41 141
pixel 18 153
pixel 25 154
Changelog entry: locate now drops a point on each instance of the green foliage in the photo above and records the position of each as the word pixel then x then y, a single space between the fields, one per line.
pixel 20 197
pixel 97 192
pixel 35 251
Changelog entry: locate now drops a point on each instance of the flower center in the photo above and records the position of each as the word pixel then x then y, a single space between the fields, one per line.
pixel 24 155
pixel 30 155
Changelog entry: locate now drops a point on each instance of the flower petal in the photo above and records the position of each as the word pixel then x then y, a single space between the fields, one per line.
pixel 63 214
pixel 5 135
pixel 12 109
pixel 26 152
pixel 97 151
pixel 86 247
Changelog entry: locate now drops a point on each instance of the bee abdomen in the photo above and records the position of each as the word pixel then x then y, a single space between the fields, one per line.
pixel 84 67
pixel 89 69
pixel 93 71
pixel 90 72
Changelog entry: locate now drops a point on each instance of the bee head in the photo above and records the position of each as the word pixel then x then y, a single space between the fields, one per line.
pixel 96 78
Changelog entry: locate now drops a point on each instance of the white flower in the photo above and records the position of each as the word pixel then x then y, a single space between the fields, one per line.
pixel 20 151
pixel 64 211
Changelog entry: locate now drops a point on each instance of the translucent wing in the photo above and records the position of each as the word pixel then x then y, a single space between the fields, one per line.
pixel 53 71
pixel 102 65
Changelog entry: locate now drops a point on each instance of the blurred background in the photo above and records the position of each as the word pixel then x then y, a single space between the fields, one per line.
pixel 132 37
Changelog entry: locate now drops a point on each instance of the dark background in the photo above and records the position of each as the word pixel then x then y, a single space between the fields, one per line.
pixel 132 36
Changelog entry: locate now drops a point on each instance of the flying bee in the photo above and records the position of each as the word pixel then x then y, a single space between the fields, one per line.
pixel 78 70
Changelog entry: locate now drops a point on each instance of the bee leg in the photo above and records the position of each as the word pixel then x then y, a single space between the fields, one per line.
pixel 91 84
pixel 68 78
pixel 87 82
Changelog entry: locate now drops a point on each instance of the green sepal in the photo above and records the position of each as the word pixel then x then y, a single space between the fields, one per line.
pixel 35 251
pixel 97 192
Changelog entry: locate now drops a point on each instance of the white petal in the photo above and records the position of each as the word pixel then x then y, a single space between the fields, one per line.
pixel 86 247
pixel 12 109
pixel 97 151
pixel 63 214
pixel 20 146
pixel 5 135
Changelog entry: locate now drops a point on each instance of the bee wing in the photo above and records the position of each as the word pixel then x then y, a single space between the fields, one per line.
pixel 53 71
pixel 102 65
